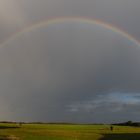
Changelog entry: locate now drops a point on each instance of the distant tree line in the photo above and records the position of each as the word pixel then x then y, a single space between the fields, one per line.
pixel 128 123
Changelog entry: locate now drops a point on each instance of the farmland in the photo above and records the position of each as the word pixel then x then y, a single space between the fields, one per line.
pixel 67 132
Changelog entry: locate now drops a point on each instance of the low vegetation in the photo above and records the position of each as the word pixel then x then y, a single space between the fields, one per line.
pixel 13 131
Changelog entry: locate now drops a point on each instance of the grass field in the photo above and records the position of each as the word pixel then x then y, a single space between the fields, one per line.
pixel 67 132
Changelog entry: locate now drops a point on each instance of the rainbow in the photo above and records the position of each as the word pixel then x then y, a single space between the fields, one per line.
pixel 63 19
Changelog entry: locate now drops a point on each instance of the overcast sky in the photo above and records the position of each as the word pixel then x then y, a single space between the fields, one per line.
pixel 69 71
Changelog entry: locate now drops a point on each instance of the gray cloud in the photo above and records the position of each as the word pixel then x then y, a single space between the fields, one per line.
pixel 71 71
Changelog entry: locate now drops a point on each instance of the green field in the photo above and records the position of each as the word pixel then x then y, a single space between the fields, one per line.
pixel 67 132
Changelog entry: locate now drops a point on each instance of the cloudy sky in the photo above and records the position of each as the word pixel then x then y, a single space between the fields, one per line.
pixel 71 70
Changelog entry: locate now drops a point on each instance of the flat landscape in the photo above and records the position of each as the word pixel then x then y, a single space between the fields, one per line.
pixel 67 132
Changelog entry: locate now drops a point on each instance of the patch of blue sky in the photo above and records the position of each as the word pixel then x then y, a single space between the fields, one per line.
pixel 128 98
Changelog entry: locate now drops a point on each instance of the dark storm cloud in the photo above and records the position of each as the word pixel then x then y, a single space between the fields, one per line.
pixel 65 73
pixel 50 70
pixel 109 107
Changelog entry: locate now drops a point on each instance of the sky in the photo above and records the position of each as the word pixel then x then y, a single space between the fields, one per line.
pixel 72 70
